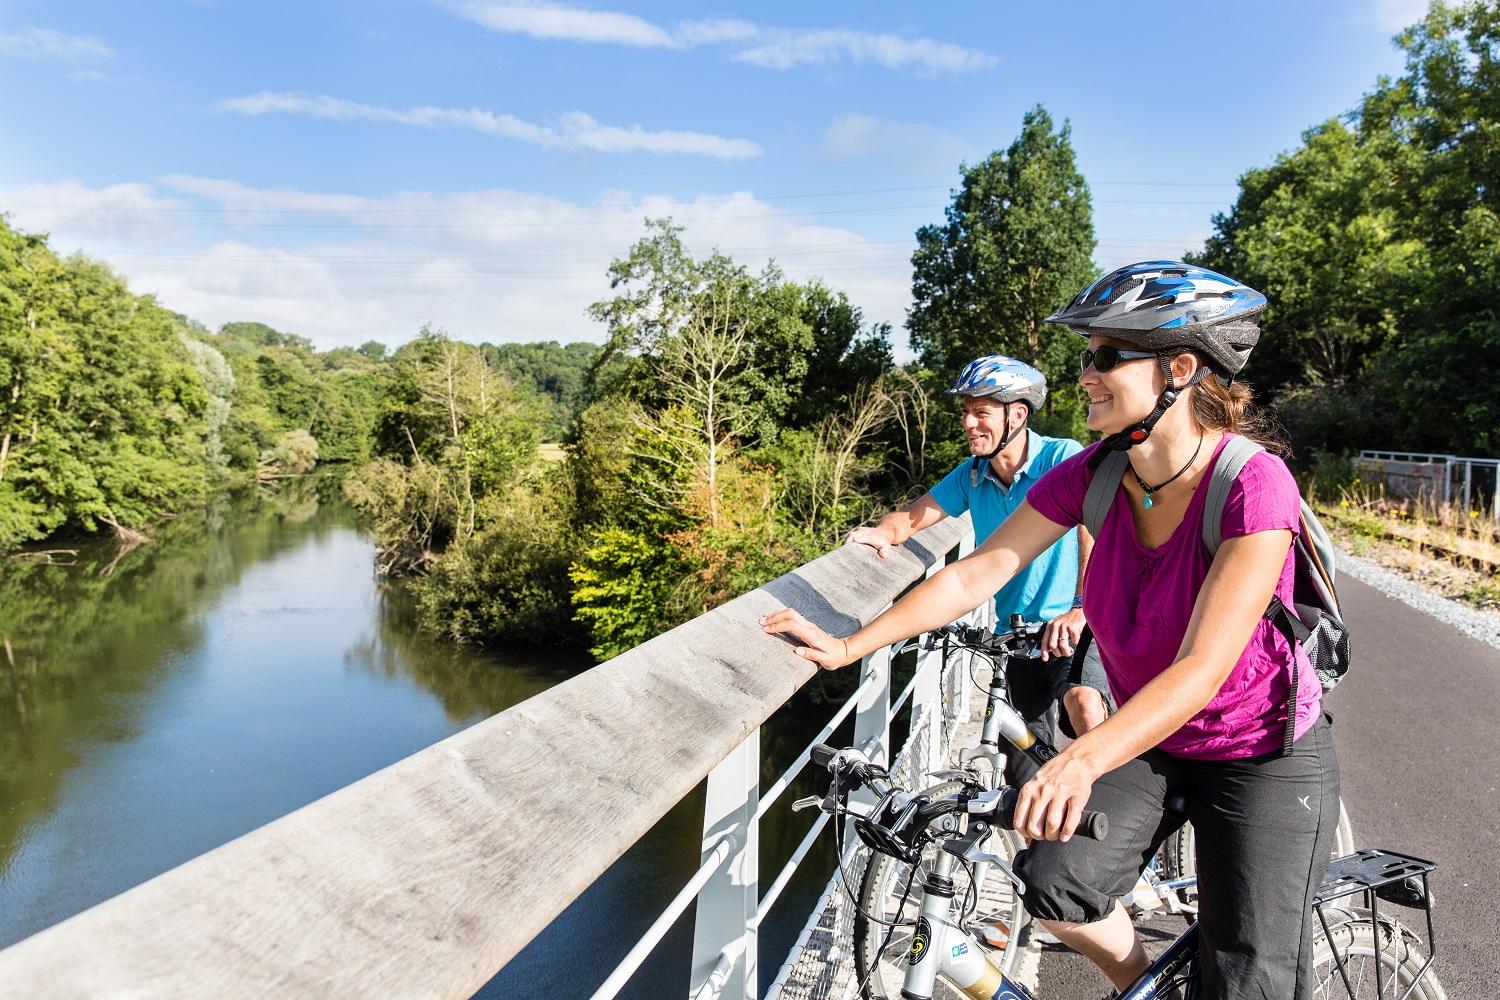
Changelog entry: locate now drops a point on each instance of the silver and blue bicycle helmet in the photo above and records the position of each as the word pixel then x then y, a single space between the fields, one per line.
pixel 1157 305
pixel 1006 380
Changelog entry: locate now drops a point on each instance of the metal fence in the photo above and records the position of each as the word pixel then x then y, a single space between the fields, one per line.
pixel 1471 484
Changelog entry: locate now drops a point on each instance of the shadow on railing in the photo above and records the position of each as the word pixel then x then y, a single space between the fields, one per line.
pixel 427 877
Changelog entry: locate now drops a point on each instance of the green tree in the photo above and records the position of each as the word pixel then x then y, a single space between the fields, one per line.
pixel 102 419
pixel 1378 244
pixel 1016 245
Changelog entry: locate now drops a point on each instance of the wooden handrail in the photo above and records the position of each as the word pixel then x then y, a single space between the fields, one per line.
pixel 425 878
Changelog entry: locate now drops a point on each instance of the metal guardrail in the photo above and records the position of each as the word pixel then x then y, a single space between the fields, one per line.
pixel 730 907
pixel 1443 478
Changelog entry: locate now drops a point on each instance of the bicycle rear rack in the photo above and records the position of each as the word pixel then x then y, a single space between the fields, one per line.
pixel 1379 875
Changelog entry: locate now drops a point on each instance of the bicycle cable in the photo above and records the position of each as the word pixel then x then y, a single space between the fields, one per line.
pixel 889 930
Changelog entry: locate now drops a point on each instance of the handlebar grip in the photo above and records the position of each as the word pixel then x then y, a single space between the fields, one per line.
pixel 1093 825
pixel 822 754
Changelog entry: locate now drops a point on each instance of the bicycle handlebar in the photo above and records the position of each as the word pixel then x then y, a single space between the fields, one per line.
pixel 895 824
pixel 1019 640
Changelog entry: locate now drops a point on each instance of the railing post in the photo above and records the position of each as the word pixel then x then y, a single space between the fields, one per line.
pixel 872 716
pixel 927 705
pixel 724 936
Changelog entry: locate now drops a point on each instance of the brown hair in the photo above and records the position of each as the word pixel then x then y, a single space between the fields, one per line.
pixel 1231 407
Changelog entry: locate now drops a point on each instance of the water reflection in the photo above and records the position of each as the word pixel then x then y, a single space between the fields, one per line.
pixel 158 703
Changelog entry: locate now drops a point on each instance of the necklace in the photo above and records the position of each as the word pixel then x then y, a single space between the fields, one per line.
pixel 1148 489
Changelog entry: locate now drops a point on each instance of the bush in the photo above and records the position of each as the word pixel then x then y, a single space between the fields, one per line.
pixel 510 578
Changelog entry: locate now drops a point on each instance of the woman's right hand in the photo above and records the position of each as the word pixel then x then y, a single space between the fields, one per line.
pixel 818 646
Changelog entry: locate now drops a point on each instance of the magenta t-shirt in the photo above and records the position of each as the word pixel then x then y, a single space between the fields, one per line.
pixel 1138 602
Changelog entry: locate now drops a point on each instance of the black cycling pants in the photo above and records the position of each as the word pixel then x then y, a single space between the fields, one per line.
pixel 1265 827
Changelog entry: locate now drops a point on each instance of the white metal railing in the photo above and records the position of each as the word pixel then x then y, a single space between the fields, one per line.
pixel 730 907
pixel 1444 475
pixel 427 876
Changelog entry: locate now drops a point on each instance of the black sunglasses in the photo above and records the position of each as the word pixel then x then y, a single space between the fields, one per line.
pixel 1105 357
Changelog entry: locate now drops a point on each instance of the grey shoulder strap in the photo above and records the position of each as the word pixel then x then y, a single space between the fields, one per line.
pixel 1237 451
pixel 1102 489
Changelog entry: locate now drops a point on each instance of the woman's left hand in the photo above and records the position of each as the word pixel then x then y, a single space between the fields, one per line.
pixel 1051 803
pixel 820 647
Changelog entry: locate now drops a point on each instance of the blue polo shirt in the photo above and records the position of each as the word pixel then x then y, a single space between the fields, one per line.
pixel 1044 589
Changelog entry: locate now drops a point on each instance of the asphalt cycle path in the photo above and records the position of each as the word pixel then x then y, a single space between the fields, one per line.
pixel 1415 727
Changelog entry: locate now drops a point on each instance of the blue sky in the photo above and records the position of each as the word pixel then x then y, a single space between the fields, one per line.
pixel 352 170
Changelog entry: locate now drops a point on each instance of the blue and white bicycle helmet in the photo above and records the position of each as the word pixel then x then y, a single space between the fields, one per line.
pixel 1005 378
pixel 1159 304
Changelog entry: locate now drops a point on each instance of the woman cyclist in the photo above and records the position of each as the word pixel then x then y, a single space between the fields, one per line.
pixel 1202 676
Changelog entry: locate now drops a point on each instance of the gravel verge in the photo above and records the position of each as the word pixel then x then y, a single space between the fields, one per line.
pixel 1482 625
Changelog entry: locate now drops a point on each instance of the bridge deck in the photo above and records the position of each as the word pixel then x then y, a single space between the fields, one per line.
pixel 821 965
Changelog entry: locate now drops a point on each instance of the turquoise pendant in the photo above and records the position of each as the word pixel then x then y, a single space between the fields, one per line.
pixel 1146 501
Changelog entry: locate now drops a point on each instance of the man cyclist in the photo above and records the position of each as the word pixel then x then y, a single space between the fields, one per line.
pixel 999 394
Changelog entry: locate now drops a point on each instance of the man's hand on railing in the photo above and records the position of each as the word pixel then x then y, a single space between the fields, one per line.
pixel 878 538
pixel 817 645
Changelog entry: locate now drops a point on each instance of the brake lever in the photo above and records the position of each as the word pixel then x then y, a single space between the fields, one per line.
pixel 967 847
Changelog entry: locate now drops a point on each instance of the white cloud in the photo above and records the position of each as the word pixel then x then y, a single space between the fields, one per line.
pixel 129 212
pixel 785 49
pixel 495 265
pixel 919 148
pixel 1392 15
pixel 44 43
pixel 542 20
pixel 574 130
pixel 759 45
pixel 716 31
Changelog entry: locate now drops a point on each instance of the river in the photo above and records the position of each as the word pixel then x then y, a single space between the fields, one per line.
pixel 157 703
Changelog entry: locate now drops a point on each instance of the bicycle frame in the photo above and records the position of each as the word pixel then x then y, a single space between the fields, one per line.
pixel 940 947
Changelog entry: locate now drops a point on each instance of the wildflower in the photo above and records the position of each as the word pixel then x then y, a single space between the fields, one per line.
pixel 1343 503
pixel 1473 513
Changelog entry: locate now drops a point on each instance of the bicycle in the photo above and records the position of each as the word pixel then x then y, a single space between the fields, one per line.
pixel 1350 940
pixel 1168 884
pixel 997 905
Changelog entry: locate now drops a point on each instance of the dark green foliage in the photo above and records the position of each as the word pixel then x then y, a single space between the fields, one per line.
pixel 104 419
pixel 1378 242
pixel 509 579
pixel 557 373
pixel 1016 247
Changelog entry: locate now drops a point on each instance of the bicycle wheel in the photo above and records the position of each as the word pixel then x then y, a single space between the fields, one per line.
pixel 1178 859
pixel 1353 936
pixel 880 894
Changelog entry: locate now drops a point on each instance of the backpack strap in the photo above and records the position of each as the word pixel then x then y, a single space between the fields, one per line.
pixel 1296 633
pixel 1075 670
pixel 1102 490
pixel 1236 452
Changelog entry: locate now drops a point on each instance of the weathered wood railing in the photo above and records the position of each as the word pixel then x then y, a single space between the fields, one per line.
pixel 425 878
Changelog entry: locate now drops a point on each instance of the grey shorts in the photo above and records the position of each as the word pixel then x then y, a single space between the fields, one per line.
pixel 1265 827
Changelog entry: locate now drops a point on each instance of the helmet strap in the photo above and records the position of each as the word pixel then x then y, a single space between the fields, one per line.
pixel 1131 436
pixel 982 460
